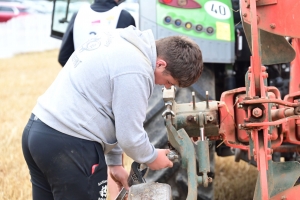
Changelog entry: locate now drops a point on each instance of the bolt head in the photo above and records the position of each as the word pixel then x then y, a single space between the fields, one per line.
pixel 257 112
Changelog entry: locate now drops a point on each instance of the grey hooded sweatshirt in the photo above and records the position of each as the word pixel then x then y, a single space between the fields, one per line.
pixel 102 94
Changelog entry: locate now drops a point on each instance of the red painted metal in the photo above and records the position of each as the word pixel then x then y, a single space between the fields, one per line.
pixel 228 127
pixel 277 101
pixel 290 194
pixel 295 68
pixel 256 71
pixel 231 115
pixel 290 98
pixel 244 111
pixel 281 17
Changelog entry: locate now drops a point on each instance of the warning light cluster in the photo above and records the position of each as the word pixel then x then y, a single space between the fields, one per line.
pixel 188 25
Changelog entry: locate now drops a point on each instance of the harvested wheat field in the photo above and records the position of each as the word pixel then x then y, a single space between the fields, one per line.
pixel 23 78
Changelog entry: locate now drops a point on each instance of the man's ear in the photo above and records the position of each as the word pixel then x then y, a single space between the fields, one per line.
pixel 160 63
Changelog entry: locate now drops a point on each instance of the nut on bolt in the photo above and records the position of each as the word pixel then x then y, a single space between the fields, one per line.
pixel 240 126
pixel 273 26
pixel 209 118
pixel 173 156
pixel 283 198
pixel 297 111
pixel 257 112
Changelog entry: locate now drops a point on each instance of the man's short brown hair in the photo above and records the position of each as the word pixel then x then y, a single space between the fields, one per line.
pixel 183 57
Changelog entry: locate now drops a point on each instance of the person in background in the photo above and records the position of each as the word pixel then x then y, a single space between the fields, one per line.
pixel 88 21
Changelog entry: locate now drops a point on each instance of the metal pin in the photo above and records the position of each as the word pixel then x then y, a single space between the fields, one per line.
pixel 194 100
pixel 202 133
pixel 207 105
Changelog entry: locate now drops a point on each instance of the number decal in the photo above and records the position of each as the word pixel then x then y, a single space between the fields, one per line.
pixel 217 9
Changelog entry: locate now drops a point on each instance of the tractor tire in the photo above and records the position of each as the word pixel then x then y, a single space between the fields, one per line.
pixel 154 125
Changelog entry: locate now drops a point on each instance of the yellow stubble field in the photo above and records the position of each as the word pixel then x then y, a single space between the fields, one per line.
pixel 26 76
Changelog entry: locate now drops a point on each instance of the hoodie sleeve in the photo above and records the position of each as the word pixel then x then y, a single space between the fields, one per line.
pixel 67 45
pixel 131 92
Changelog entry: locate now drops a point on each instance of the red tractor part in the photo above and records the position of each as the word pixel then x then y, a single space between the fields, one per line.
pixel 255 118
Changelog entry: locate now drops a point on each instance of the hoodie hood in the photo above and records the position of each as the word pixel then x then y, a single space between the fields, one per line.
pixel 103 5
pixel 143 40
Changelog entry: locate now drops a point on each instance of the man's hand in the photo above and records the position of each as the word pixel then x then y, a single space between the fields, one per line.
pixel 162 161
pixel 119 175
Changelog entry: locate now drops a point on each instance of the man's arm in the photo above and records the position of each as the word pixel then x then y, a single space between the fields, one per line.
pixel 130 94
pixel 125 19
pixel 67 45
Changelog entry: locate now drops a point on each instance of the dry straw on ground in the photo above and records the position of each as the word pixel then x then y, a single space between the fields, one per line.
pixel 25 77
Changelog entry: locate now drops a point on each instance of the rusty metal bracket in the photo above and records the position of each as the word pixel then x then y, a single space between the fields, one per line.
pixel 265 2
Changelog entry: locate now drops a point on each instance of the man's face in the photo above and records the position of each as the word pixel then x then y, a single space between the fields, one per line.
pixel 162 78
